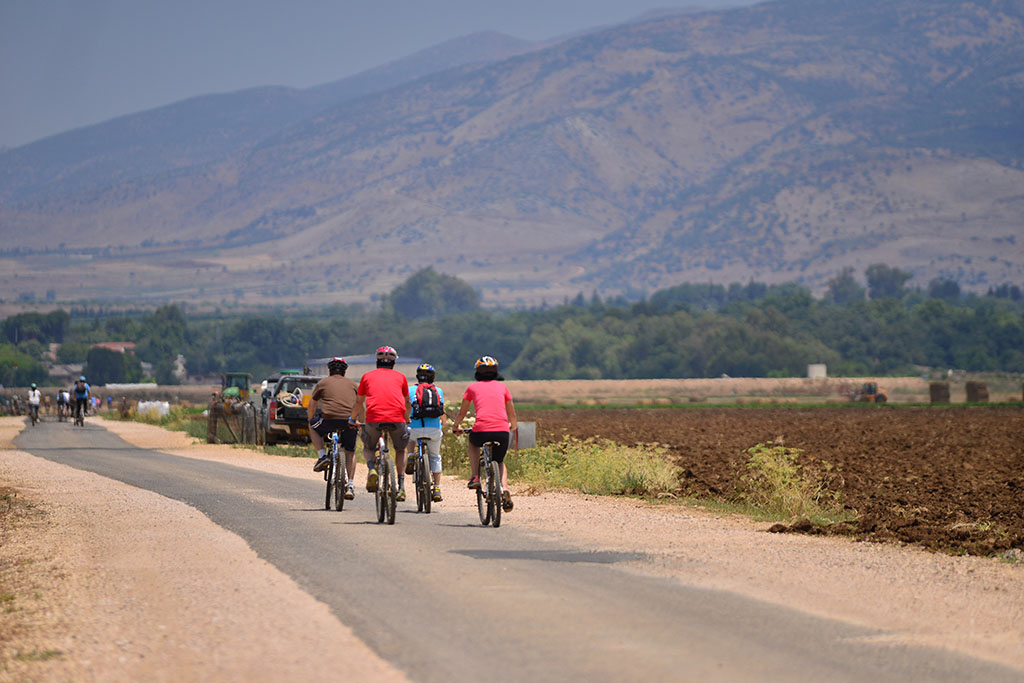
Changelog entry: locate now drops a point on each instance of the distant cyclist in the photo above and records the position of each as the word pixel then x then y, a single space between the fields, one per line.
pixel 81 394
pixel 495 421
pixel 62 404
pixel 330 407
pixel 34 400
pixel 427 421
pixel 384 395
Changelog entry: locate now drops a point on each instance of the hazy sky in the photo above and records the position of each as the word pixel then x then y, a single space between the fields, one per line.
pixel 69 63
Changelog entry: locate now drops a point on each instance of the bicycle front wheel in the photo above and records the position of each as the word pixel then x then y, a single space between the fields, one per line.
pixel 494 493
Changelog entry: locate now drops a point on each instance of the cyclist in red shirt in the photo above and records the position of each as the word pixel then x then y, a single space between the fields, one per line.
pixel 384 393
pixel 495 421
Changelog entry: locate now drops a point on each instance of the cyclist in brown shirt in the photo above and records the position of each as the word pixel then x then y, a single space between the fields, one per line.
pixel 329 409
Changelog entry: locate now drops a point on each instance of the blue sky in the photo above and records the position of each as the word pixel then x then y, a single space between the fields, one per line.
pixel 69 63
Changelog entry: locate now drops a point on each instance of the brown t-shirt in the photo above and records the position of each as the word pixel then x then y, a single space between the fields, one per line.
pixel 337 396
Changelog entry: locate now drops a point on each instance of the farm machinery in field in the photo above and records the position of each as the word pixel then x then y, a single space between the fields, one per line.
pixel 869 392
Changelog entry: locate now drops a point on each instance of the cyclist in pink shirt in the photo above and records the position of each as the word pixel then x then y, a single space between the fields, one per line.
pixel 495 421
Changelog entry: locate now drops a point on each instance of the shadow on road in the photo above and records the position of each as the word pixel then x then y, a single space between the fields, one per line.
pixel 597 557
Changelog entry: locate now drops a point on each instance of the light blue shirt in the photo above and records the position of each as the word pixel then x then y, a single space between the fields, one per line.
pixel 434 422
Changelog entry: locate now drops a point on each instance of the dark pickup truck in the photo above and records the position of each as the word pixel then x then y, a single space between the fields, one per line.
pixel 284 408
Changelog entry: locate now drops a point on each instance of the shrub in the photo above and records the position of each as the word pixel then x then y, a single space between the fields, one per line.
pixel 596 466
pixel 776 484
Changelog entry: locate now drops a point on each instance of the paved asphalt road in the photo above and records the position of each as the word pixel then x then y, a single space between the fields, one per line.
pixel 441 597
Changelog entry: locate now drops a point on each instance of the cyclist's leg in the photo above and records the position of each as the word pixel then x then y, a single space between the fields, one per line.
pixel 474 457
pixel 399 440
pixel 318 442
pixel 434 450
pixel 370 433
pixel 498 454
pixel 350 465
pixel 500 450
pixel 348 444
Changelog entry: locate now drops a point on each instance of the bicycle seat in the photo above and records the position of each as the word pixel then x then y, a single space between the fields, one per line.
pixel 390 426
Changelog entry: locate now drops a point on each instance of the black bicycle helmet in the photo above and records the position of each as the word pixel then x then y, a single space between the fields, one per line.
pixel 337 366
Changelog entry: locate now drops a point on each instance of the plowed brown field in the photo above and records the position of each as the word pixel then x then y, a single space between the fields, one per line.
pixel 948 478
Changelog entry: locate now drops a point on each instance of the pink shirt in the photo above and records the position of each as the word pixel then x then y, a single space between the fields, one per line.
pixel 488 400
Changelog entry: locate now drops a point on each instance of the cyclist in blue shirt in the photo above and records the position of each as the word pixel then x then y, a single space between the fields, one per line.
pixel 82 395
pixel 428 427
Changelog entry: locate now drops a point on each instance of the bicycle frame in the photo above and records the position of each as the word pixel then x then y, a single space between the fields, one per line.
pixel 336 474
pixel 488 496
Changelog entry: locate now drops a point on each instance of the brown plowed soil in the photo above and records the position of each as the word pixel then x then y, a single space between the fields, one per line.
pixel 949 479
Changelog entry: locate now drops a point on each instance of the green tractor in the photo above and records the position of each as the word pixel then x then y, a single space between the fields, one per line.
pixel 235 386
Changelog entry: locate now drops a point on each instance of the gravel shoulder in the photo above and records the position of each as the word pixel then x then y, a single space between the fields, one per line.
pixel 123 594
pixel 112 583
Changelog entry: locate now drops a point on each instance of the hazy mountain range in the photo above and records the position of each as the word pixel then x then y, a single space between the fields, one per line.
pixel 777 142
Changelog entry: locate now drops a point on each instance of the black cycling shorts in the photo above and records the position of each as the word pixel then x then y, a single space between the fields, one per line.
pixel 345 431
pixel 501 438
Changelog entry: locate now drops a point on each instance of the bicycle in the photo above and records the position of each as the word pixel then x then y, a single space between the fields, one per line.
pixel 422 481
pixel 488 496
pixel 385 497
pixel 79 415
pixel 336 474
pixel 33 413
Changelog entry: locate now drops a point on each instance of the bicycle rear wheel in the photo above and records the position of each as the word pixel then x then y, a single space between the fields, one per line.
pixel 494 493
pixel 391 500
pixel 423 483
pixel 379 494
pixel 340 483
pixel 482 505
pixel 415 459
pixel 329 478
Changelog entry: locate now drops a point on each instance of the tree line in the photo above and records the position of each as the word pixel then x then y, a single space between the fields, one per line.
pixel 692 330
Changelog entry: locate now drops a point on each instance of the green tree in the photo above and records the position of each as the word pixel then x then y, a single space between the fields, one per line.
pixel 72 352
pixel 843 288
pixel 19 370
pixel 944 288
pixel 45 328
pixel 884 281
pixel 104 366
pixel 428 293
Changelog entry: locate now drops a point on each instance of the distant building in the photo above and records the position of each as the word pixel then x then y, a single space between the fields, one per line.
pixel 65 373
pixel 817 371
pixel 359 365
pixel 120 347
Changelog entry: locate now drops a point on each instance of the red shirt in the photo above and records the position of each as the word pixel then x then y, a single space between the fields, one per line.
pixel 489 405
pixel 386 391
